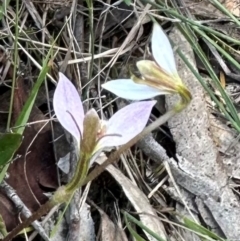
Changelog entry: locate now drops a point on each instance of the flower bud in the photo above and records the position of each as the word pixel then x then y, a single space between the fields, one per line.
pixel 91 126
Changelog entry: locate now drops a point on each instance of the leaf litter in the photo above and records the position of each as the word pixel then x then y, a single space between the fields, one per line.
pixel 203 167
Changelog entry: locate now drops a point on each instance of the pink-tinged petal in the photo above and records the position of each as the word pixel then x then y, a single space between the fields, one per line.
pixel 68 107
pixel 128 89
pixel 162 50
pixel 126 123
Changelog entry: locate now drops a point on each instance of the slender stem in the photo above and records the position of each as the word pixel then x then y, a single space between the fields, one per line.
pixel 14 68
pixel 80 173
pixel 91 47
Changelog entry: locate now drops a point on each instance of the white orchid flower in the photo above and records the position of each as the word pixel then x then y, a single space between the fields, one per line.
pixel 159 77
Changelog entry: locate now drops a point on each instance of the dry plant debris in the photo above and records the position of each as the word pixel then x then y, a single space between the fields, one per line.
pixel 190 167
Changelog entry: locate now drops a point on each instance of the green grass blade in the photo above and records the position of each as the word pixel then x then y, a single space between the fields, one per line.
pixel 221 50
pixel 3 8
pixel 231 112
pixel 132 231
pixel 14 67
pixel 175 15
pixel 3 230
pixel 129 217
pixel 200 229
pixel 27 108
pixel 8 145
pixel 25 113
pixel 210 92
pixel 128 2
pixel 218 5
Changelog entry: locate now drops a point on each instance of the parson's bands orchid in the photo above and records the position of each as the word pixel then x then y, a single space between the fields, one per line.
pixel 119 129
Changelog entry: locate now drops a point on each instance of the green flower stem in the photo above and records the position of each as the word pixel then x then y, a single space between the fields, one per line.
pixel 80 173
pixel 186 98
pixel 88 144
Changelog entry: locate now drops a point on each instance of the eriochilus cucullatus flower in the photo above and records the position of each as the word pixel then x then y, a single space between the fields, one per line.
pixel 158 77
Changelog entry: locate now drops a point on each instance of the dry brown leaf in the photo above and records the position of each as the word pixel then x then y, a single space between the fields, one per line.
pixel 35 171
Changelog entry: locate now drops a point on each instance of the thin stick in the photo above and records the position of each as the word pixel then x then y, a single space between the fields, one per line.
pixel 11 194
pixel 36 215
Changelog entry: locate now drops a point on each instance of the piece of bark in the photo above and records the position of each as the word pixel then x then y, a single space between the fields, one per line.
pixel 152 149
pixel 200 168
